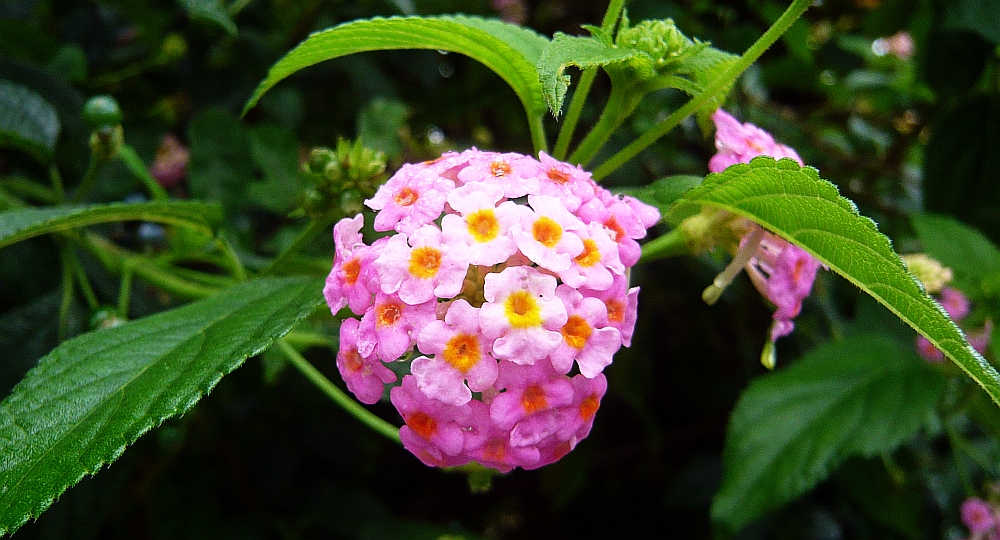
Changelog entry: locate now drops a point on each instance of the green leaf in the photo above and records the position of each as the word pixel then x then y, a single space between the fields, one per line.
pixel 664 192
pixel 96 394
pixel 22 223
pixel 958 246
pixel 795 203
pixel 27 121
pixel 275 150
pixel 510 51
pixel 211 11
pixel 862 396
pixel 582 52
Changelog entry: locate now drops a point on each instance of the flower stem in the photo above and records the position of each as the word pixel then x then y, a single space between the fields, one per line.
pixel 712 293
pixel 583 88
pixel 671 244
pixel 336 394
pixel 315 227
pixel 794 11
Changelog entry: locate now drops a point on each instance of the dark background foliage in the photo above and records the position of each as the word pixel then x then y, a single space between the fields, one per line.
pixel 267 456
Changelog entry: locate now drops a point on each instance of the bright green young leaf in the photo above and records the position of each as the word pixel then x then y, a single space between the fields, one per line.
pixel 96 394
pixel 795 203
pixel 582 52
pixel 27 121
pixel 212 11
pixel 958 246
pixel 510 51
pixel 23 223
pixel 862 396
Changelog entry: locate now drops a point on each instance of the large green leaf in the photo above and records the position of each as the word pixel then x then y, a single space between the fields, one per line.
pixel 510 51
pixel 861 396
pixel 94 395
pixel 795 203
pixel 962 248
pixel 27 121
pixel 22 223
pixel 211 11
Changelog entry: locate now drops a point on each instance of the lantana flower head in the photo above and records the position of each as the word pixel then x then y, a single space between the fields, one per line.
pixel 956 305
pixel 506 277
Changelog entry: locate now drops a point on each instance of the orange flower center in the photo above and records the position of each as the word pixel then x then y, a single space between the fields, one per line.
pixel 589 406
pixel 388 314
pixel 351 270
pixel 533 399
pixel 546 231
pixel 499 169
pixel 352 361
pixel 422 424
pixel 576 331
pixel 616 310
pixel 424 262
pixel 522 310
pixel 557 176
pixel 615 229
pixel 590 255
pixel 462 352
pixel 483 225
pixel 406 196
pixel 495 450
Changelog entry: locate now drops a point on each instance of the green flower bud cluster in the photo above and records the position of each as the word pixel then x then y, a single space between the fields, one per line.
pixel 659 39
pixel 342 178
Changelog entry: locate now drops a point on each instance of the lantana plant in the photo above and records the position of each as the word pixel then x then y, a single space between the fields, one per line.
pixel 484 293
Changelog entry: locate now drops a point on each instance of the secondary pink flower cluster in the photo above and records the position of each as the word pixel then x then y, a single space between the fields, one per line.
pixel 782 272
pixel 503 271
pixel 982 519
pixel 957 306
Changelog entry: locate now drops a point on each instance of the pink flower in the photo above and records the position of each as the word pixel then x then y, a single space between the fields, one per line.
pixel 389 326
pixel 349 280
pixel 411 198
pixel 459 354
pixel 522 313
pixel 586 336
pixel 784 274
pixel 978 515
pixel 481 226
pixel 433 430
pixel 533 392
pixel 547 234
pixel 365 375
pixel 622 306
pixel 421 268
pixel 955 303
pixel 598 264
pixel 517 175
pixel 739 143
pixel 572 185
pixel 171 161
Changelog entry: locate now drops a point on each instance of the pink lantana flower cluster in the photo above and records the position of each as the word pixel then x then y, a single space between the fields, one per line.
pixel 957 306
pixel 505 278
pixel 782 272
pixel 982 518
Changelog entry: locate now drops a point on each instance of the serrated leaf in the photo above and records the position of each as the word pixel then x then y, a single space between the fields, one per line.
pixel 861 396
pixel 91 397
pixel 798 205
pixel 958 246
pixel 22 223
pixel 510 51
pixel 212 11
pixel 582 52
pixel 27 121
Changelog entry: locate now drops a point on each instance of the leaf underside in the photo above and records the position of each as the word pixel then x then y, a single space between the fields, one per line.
pixel 94 395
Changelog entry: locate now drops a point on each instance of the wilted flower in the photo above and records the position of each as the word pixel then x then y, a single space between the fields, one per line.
pixel 506 278
pixel 170 163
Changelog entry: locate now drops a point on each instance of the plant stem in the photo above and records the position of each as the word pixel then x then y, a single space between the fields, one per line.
pixel 794 11
pixel 89 178
pixel 67 296
pixel 583 87
pixel 315 227
pixel 537 129
pixel 57 185
pixel 337 395
pixel 620 105
pixel 135 164
pixel 669 245
pixel 82 280
pixel 125 292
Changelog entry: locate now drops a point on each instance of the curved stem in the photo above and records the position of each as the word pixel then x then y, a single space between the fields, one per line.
pixel 336 394
pixel 537 129
pixel 135 164
pixel 794 11
pixel 617 109
pixel 668 245
pixel 87 183
pixel 315 227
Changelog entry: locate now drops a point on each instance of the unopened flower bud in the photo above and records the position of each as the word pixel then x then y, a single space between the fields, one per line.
pixel 174 48
pixel 352 202
pixel 102 111
pixel 319 158
pixel 105 142
pixel 661 40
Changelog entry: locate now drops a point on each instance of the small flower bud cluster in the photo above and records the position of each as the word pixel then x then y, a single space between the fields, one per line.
pixel 342 178
pixel 509 276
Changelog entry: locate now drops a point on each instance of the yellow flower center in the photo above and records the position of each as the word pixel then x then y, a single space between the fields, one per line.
pixel 388 314
pixel 424 262
pixel 522 310
pixel 499 169
pixel 462 352
pixel 546 231
pixel 576 331
pixel 483 225
pixel 590 255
